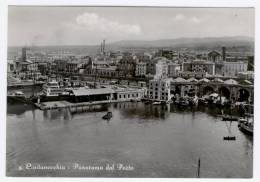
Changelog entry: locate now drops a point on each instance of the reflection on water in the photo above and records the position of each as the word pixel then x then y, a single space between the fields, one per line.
pixel 159 141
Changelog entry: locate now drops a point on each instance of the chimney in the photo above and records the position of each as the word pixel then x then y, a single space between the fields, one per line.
pixel 104 43
pixel 224 53
pixel 24 54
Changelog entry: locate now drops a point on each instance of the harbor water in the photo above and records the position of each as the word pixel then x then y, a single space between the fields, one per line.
pixel 140 140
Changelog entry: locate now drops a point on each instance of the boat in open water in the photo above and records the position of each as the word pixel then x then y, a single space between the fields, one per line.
pixel 107 116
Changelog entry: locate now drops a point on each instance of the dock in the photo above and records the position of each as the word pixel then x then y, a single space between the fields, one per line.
pixel 65 104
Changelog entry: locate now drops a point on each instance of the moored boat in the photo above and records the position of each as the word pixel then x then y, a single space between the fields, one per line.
pixel 246 126
pixel 157 103
pixel 107 116
pixel 229 118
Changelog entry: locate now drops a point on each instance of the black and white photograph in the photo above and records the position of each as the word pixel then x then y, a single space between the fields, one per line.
pixel 130 91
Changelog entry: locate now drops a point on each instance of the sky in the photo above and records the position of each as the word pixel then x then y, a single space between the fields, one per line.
pixel 36 26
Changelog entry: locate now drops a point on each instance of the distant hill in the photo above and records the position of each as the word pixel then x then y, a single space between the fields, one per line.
pixel 233 44
pixel 193 43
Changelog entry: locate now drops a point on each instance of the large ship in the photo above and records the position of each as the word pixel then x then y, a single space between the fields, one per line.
pixel 52 89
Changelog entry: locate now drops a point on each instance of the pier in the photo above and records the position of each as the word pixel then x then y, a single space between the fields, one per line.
pixel 66 104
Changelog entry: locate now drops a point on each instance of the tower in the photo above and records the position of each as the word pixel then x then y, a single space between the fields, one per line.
pixel 224 53
pixel 24 54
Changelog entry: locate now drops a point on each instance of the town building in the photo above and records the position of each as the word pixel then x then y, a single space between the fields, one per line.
pixel 231 69
pixel 10 66
pixel 173 69
pixel 248 75
pixel 127 65
pixel 159 89
pixel 191 74
pixel 140 69
pixel 161 69
pixel 214 56
pixel 129 93
pixel 198 66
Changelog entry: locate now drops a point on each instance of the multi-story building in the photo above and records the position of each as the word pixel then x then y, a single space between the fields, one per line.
pixel 159 89
pixel 214 56
pixel 173 69
pixel 127 65
pixel 199 66
pixel 191 74
pixel 60 65
pixel 248 75
pixel 161 69
pixel 151 65
pixel 231 69
pixel 32 66
pixel 10 66
pixel 109 71
pixel 140 69
pixel 127 94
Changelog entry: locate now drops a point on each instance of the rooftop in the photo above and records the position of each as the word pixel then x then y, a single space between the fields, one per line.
pixel 86 91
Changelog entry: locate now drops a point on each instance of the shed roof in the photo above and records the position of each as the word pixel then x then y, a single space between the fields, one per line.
pixel 231 82
pixel 179 79
pixel 86 91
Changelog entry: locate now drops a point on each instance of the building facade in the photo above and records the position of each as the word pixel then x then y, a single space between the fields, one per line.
pixel 173 69
pixel 159 89
pixel 231 69
pixel 140 69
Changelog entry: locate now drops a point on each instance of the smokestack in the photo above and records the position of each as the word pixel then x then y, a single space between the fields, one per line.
pixel 104 43
pixel 24 54
pixel 224 53
pixel 101 47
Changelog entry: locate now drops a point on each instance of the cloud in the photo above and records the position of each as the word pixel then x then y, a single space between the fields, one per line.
pixel 93 22
pixel 179 17
pixel 182 18
pixel 195 19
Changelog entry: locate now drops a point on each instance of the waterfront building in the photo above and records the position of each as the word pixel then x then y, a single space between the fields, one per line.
pixel 159 89
pixel 182 87
pixel 128 93
pixel 115 93
pixel 83 94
